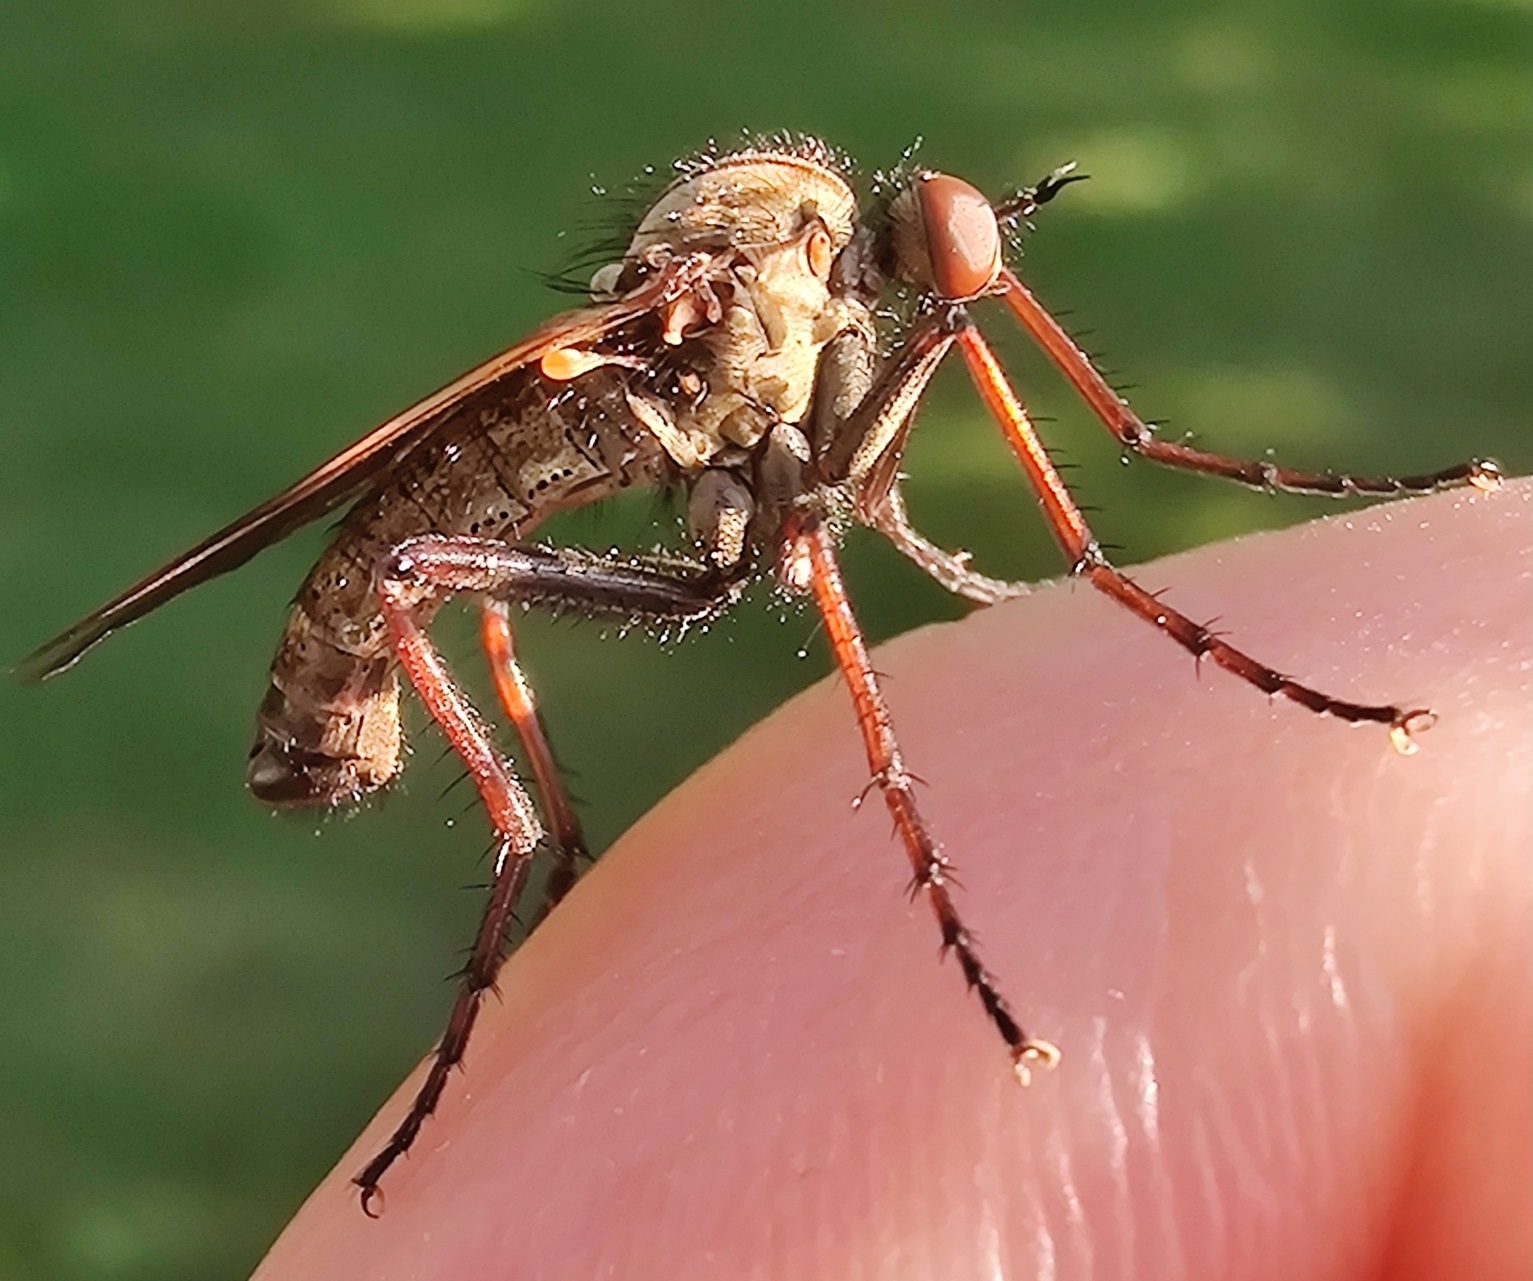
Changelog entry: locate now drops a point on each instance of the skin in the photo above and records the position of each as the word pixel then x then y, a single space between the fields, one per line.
pixel 1288 968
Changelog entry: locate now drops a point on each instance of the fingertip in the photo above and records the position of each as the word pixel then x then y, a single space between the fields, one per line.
pixel 733 1042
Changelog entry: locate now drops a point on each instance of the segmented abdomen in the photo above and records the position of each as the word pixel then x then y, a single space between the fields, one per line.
pixel 328 730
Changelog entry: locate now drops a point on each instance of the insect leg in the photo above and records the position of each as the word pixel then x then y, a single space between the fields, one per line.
pixel 859 441
pixel 434 568
pixel 657 588
pixel 950 569
pixel 932 871
pixel 866 445
pixel 520 705
pixel 1080 547
pixel 1137 435
pixel 517 834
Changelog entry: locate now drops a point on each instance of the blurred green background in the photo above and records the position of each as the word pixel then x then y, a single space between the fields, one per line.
pixel 232 237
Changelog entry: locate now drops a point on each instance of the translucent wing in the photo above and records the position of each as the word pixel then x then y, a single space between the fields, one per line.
pixel 342 477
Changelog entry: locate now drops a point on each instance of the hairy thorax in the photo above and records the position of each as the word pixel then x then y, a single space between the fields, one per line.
pixel 765 349
pixel 750 336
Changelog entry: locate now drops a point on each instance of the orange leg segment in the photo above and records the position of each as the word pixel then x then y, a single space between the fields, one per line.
pixel 434 568
pixel 517 832
pixel 520 705
pixel 1135 434
pixel 1080 547
pixel 932 873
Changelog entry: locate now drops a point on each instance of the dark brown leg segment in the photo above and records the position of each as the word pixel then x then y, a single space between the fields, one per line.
pixel 867 435
pixel 809 545
pixel 435 568
pixel 1135 434
pixel 1080 547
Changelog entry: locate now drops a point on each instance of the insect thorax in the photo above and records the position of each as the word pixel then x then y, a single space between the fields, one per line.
pixel 740 351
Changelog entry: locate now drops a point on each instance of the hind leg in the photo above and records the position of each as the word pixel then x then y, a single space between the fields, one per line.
pixel 432 569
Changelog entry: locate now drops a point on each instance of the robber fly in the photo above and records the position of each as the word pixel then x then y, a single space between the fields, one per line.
pixel 731 353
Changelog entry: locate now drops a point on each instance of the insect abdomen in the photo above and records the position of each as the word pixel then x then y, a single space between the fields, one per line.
pixel 328 731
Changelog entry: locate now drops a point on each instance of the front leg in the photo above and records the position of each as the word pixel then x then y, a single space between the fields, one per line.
pixel 950 569
pixel 861 426
pixel 1138 437
pixel 434 568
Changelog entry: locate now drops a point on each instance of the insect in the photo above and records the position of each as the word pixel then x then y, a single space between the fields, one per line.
pixel 732 353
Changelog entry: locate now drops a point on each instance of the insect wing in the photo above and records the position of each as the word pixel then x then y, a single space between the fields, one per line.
pixel 343 476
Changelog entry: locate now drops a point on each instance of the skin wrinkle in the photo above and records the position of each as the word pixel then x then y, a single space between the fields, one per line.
pixel 1045 1260
pixel 1321 1021
pixel 990 1250
pixel 996 1201
pixel 1309 1118
pixel 1336 985
pixel 1319 1140
pixel 1134 1233
pixel 1241 1174
pixel 1216 1252
pixel 1166 1198
pixel 1073 1223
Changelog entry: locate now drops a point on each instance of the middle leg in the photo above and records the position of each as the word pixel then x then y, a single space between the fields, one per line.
pixel 950 570
pixel 518 701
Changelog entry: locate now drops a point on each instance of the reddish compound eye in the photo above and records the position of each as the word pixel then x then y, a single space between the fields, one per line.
pixel 946 237
pixel 963 241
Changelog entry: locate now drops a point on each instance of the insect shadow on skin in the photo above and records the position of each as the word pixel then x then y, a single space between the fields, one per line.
pixel 730 354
